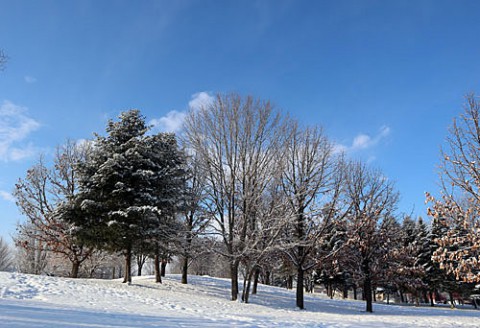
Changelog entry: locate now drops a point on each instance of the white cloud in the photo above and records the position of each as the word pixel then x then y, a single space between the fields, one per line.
pixel 364 141
pixel 172 122
pixel 200 99
pixel 15 127
pixel 30 79
pixel 7 196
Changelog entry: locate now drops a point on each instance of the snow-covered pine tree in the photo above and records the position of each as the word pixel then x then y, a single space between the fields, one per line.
pixel 129 186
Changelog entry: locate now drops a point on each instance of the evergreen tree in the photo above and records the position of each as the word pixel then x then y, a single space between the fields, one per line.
pixel 128 188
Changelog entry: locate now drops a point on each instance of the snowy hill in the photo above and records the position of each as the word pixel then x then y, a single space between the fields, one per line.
pixel 41 301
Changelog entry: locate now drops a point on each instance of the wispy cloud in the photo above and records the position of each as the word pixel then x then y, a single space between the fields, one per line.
pixel 173 121
pixel 364 141
pixel 15 127
pixel 7 196
pixel 200 99
pixel 30 79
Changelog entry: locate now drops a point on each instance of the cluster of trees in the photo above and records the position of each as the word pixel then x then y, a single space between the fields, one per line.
pixel 270 198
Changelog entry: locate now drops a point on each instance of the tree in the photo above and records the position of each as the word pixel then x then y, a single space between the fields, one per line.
pixel 3 60
pixel 236 141
pixel 39 194
pixel 6 258
pixel 372 201
pixel 195 220
pixel 127 189
pixel 459 207
pixel 311 185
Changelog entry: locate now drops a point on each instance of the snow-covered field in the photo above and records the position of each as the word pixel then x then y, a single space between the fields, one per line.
pixel 41 301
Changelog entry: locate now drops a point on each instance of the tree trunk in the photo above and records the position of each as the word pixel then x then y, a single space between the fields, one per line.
pixel 300 274
pixel 432 303
pixel 164 266
pixel 255 281
pixel 345 291
pixel 367 286
pixel 246 286
pixel 267 278
pixel 75 269
pixel 355 291
pixel 185 270
pixel 452 302
pixel 140 263
pixel 156 264
pixel 234 279
pixel 402 298
pixel 290 282
pixel 128 266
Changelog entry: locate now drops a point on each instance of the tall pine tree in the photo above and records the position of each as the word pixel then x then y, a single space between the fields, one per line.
pixel 128 188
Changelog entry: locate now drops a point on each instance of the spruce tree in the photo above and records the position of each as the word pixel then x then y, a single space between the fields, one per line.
pixel 128 188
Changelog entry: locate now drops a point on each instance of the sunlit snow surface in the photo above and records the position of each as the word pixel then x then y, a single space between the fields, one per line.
pixel 41 301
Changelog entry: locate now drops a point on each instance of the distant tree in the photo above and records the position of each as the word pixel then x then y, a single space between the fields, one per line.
pixel 193 215
pixel 6 256
pixel 39 194
pixel 32 255
pixel 127 189
pixel 459 208
pixel 372 201
pixel 3 60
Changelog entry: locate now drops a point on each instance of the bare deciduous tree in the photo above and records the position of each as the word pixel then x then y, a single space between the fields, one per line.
pixel 38 195
pixel 311 181
pixel 236 140
pixel 6 258
pixel 372 201
pixel 3 60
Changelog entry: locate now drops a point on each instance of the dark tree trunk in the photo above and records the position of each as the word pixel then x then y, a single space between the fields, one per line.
pixel 299 296
pixel 75 269
pixel 234 279
pixel 255 281
pixel 290 282
pixel 267 278
pixel 402 297
pixel 164 266
pixel 246 286
pixel 140 262
pixel 345 291
pixel 432 302
pixel 452 302
pixel 185 270
pixel 156 264
pixel 355 291
pixel 128 266
pixel 367 286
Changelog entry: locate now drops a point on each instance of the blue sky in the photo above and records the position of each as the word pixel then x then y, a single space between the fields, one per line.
pixel 384 78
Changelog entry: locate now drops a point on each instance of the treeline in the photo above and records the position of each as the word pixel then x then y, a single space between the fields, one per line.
pixel 248 192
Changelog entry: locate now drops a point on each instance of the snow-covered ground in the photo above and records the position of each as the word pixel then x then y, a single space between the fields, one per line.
pixel 41 301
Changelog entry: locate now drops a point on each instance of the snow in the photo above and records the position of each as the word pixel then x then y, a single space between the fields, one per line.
pixel 42 301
